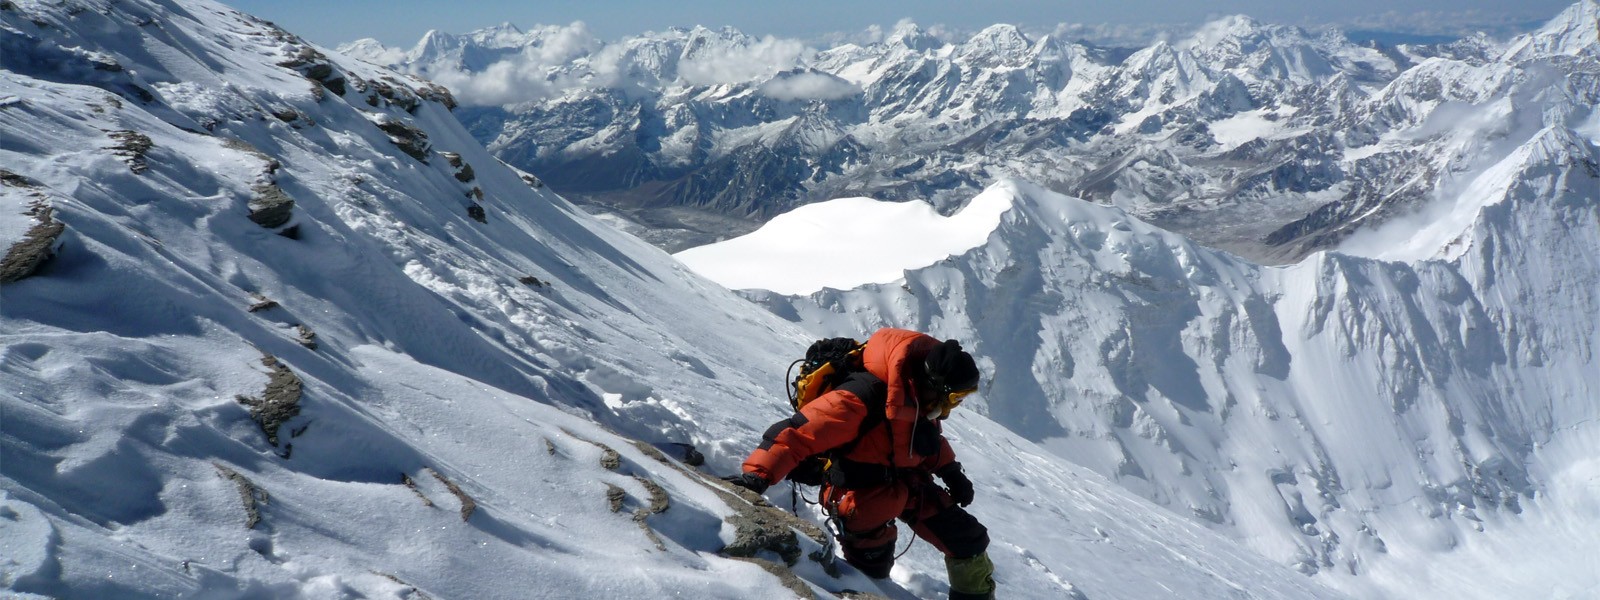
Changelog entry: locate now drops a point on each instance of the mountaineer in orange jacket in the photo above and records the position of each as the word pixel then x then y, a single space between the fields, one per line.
pixel 882 430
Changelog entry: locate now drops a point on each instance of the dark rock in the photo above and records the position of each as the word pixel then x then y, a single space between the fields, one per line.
pixel 272 164
pixel 279 402
pixel 37 245
pixel 250 494
pixel 789 579
pixel 464 172
pixel 304 56
pixel 468 505
pixel 609 459
pixel 409 139
pixel 659 500
pixel 434 92
pixel 318 71
pixel 132 147
pixel 142 94
pixel 10 179
pixel 476 212
pixel 397 94
pixel 530 280
pixel 615 496
pixel 292 232
pixel 105 63
pixel 261 303
pixel 271 207
pixel 412 484
pixel 760 527
pixel 306 336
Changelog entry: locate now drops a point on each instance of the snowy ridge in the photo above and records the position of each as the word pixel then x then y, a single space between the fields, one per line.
pixel 1363 420
pixel 1268 141
pixel 427 376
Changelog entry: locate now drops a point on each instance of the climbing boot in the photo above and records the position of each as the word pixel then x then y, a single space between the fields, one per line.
pixel 872 562
pixel 971 578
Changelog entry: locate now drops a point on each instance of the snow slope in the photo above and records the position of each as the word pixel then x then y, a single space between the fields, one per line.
pixel 1412 416
pixel 1400 429
pixel 428 377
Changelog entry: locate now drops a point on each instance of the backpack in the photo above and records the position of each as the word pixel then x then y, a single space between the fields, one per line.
pixel 827 364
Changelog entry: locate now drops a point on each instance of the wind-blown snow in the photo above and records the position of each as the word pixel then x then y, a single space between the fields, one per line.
pixel 846 243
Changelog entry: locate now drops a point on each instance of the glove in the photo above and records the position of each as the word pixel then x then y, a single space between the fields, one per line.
pixel 957 484
pixel 751 481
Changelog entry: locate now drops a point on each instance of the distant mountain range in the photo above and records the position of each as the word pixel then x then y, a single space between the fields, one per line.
pixel 1265 140
pixel 273 324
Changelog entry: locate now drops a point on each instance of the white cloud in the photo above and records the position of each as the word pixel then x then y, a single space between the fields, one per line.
pixel 562 44
pixel 538 70
pixel 740 63
pixel 809 85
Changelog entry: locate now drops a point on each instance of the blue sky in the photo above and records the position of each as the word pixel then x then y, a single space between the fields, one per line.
pixel 402 22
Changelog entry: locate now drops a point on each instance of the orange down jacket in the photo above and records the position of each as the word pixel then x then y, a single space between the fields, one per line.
pixel 834 419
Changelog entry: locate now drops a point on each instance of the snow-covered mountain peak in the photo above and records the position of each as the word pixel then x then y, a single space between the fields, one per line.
pixel 1220 31
pixel 486 377
pixel 995 44
pixel 909 35
pixel 1263 52
pixel 434 43
pixel 1574 32
pixel 302 337
pixel 506 30
pixel 1418 391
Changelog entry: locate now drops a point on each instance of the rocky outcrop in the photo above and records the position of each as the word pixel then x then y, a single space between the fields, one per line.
pixel 411 484
pixel 259 303
pixel 37 246
pixel 759 527
pixel 250 494
pixel 409 139
pixel 131 147
pixel 270 207
pixel 310 63
pixel 468 505
pixel 434 92
pixel 279 401
pixel 395 93
pixel 305 336
pixel 463 172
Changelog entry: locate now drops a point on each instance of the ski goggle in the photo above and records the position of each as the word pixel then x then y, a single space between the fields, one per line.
pixel 952 399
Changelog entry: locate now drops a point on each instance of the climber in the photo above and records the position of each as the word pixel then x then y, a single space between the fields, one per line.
pixel 881 430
